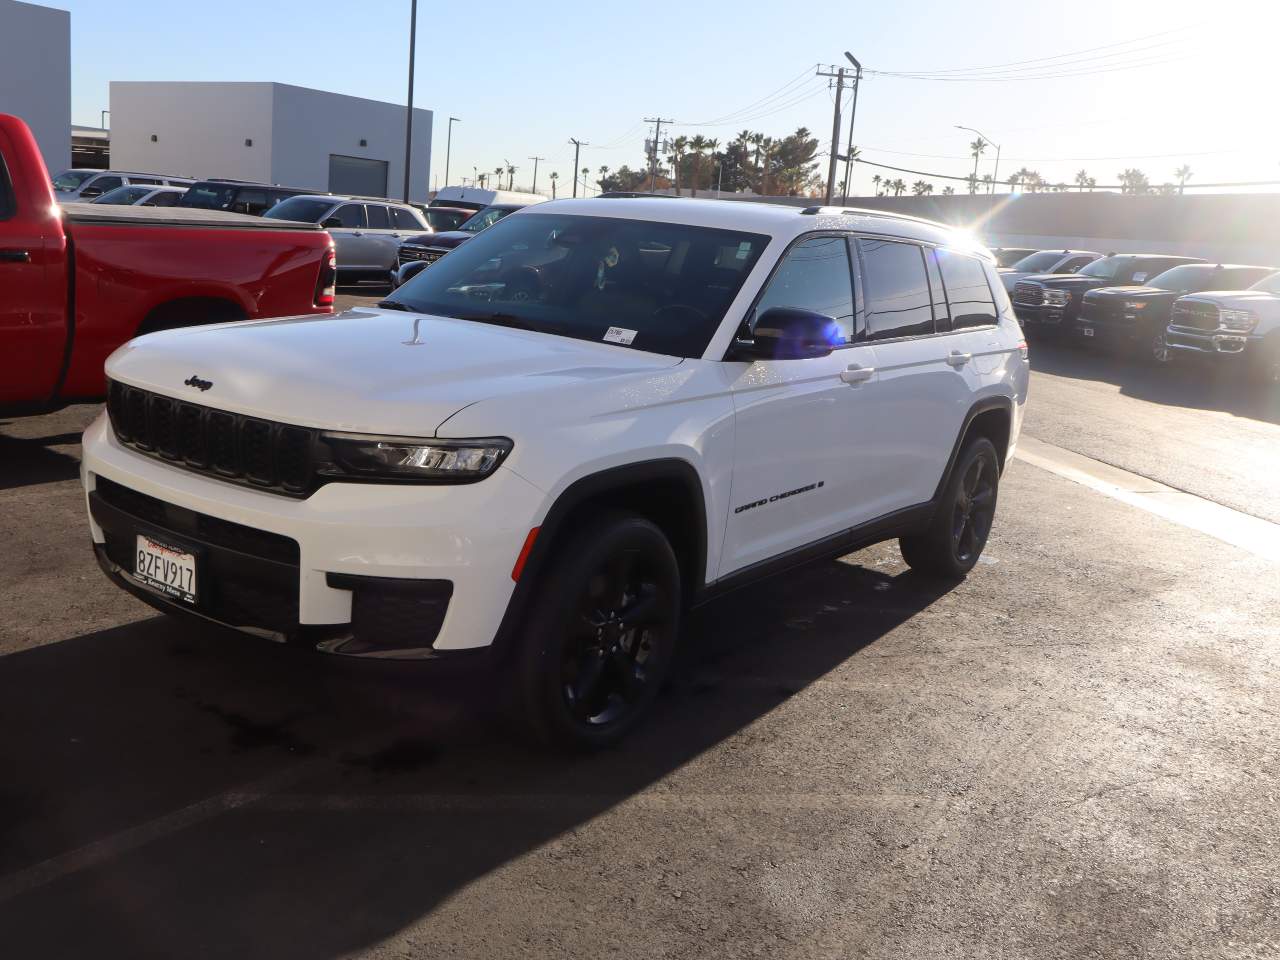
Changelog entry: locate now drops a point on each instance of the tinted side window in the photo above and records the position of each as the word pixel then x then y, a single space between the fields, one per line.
pixel 378 219
pixel 1074 264
pixel 404 220
pixel 153 181
pixel 897 290
pixel 103 184
pixel 967 291
pixel 351 215
pixel 165 199
pixel 941 313
pixel 251 201
pixel 814 275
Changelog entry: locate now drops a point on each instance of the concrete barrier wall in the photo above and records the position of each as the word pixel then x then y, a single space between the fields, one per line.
pixel 1239 228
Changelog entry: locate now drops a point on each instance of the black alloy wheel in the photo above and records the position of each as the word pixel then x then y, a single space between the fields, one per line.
pixel 952 543
pixel 602 634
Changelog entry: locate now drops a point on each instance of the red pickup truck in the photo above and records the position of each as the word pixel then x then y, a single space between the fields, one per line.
pixel 78 281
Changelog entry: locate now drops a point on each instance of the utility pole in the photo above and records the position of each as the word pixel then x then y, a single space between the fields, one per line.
pixel 535 160
pixel 577 145
pixel 853 115
pixel 835 133
pixel 653 157
pixel 448 148
pixel 408 114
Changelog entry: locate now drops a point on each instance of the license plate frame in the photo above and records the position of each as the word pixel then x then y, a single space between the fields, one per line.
pixel 155 552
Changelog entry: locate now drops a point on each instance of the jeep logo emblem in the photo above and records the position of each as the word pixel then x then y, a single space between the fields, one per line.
pixel 195 381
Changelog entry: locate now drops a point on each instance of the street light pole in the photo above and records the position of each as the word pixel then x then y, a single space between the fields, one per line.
pixel 853 115
pixel 448 148
pixel 995 175
pixel 408 114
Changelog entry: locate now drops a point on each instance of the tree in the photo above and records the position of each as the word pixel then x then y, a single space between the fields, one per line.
pixel 876 180
pixel 498 172
pixel 712 147
pixel 1133 181
pixel 948 191
pixel 511 176
pixel 920 188
pixel 987 181
pixel 1022 177
pixel 972 180
pixel 897 186
pixel 678 147
pixel 977 148
pixel 1082 179
pixel 1183 174
pixel 554 177
pixel 586 172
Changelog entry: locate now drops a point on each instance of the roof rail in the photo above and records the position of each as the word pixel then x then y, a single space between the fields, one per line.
pixel 864 212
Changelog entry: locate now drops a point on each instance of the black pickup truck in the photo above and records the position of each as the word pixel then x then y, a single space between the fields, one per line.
pixel 1051 302
pixel 1134 318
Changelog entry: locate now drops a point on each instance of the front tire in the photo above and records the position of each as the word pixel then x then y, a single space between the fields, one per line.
pixel 956 536
pixel 602 634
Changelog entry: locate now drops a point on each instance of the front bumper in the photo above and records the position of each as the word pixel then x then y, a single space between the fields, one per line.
pixel 1215 343
pixel 1039 315
pixel 379 570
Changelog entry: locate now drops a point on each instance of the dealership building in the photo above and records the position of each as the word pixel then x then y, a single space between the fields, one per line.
pixel 269 132
pixel 35 75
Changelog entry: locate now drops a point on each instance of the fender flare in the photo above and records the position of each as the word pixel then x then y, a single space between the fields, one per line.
pixel 582 491
pixel 985 405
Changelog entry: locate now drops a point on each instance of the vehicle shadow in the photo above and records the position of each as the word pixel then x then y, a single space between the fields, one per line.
pixel 1184 383
pixel 348 804
pixel 28 461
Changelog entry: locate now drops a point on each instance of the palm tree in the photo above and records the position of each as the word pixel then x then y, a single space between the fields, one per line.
pixel 876 180
pixel 554 177
pixel 712 147
pixel 696 147
pixel 678 147
pixel 898 187
pixel 1022 176
pixel 1183 173
pixel 976 149
pixel 1082 179
pixel 498 172
pixel 1134 181
pixel 972 180
pixel 987 180
pixel 586 172
pixel 948 191
pixel 920 188
pixel 511 176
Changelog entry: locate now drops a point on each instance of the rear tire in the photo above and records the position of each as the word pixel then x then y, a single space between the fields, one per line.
pixel 951 545
pixel 600 640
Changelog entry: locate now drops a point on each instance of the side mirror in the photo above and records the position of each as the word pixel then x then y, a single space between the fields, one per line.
pixel 91 192
pixel 786 333
pixel 330 222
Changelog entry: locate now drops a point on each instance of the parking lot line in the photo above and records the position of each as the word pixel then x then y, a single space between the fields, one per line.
pixel 1259 537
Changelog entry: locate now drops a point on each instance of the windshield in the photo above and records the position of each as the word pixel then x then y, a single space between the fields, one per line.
pixel 125 194
pixel 1108 268
pixel 300 209
pixel 661 287
pixel 1041 262
pixel 1269 284
pixel 442 219
pixel 71 179
pixel 209 196
pixel 485 218
pixel 1009 257
pixel 1187 277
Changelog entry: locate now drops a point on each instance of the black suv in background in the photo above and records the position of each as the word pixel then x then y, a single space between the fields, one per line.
pixel 418 252
pixel 237 196
pixel 1052 301
pixel 1135 317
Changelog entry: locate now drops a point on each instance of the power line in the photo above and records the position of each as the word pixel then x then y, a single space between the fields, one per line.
pixel 730 117
pixel 1042 76
pixel 1135 156
pixel 949 176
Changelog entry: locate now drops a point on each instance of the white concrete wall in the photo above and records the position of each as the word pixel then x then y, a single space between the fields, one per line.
pixel 311 124
pixel 35 75
pixel 201 128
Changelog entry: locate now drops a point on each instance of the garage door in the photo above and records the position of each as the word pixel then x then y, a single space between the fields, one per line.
pixel 357 176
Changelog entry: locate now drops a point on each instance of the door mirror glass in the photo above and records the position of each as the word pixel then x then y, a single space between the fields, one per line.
pixel 788 333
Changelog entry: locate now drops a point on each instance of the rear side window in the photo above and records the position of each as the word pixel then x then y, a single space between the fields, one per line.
pixel 1074 264
pixel 153 181
pixel 104 184
pixel 967 291
pixel 814 275
pixel 404 219
pixel 378 219
pixel 166 198
pixel 351 215
pixel 897 289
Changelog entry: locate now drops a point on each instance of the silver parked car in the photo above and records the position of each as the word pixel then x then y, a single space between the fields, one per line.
pixel 83 185
pixel 366 231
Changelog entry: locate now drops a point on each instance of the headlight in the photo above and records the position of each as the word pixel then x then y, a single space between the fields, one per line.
pixel 1237 321
pixel 1135 305
pixel 1057 298
pixel 411 458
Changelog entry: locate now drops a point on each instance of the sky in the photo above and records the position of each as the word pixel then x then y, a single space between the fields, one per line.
pixel 1111 84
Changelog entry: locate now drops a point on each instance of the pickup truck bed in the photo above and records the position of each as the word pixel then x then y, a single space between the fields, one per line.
pixel 100 213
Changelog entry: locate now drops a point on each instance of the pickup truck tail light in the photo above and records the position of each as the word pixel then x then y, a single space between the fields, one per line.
pixel 327 281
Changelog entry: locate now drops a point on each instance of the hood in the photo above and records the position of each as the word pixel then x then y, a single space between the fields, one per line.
pixel 1067 281
pixel 1234 297
pixel 365 370
pixel 1134 293
pixel 448 238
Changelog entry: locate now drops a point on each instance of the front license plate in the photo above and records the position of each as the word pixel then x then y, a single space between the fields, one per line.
pixel 168 569
pixel 1087 331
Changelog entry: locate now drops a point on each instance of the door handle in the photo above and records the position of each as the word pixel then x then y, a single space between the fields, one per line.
pixel 855 374
pixel 15 256
pixel 958 359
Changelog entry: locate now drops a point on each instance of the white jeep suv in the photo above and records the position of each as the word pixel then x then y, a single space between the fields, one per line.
pixel 590 417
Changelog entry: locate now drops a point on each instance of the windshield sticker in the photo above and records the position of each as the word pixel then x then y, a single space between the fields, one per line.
pixel 1139 278
pixel 619 335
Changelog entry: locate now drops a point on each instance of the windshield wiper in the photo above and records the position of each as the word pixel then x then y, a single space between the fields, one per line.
pixel 394 305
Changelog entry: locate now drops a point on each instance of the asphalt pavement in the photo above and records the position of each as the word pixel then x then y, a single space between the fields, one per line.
pixel 1070 754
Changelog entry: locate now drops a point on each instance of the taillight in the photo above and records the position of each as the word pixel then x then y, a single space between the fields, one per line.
pixel 327 281
pixel 1022 349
